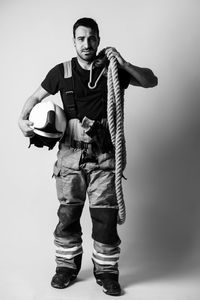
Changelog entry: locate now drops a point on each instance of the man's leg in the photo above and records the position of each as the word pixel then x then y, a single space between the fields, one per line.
pixel 104 211
pixel 71 190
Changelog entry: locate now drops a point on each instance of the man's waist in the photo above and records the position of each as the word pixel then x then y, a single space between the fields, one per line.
pixel 81 145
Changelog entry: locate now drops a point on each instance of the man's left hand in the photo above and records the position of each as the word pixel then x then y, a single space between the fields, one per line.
pixel 112 52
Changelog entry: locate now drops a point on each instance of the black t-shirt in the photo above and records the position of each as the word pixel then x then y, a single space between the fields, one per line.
pixel 89 102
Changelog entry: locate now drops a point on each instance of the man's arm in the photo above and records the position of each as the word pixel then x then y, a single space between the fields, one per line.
pixel 139 76
pixel 24 124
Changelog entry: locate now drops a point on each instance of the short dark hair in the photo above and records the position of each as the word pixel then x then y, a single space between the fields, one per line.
pixel 87 22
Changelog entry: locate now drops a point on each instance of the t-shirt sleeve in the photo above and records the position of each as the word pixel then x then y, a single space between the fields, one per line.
pixel 124 78
pixel 51 83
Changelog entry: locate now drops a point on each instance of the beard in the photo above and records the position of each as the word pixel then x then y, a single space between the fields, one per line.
pixel 87 54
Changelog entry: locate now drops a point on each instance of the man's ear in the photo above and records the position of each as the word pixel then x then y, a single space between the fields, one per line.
pixel 73 41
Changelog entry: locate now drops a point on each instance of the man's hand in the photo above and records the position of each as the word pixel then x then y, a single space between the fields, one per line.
pixel 139 76
pixel 112 52
pixel 26 127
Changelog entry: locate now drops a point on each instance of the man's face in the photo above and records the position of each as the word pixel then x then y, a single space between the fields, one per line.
pixel 86 43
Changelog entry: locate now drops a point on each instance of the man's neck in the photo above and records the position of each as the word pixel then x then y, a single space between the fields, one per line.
pixel 84 64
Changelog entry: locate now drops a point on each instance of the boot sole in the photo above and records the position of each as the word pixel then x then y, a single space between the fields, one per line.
pixel 60 287
pixel 99 282
pixel 65 285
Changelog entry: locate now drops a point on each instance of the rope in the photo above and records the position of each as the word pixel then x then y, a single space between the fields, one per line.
pixel 90 80
pixel 115 112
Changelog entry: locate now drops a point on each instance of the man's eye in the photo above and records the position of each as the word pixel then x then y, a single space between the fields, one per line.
pixel 93 39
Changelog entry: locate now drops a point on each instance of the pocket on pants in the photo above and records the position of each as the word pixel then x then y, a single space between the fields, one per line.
pixel 70 185
pixel 69 158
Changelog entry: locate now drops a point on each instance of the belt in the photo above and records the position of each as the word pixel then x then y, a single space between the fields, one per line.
pixel 81 145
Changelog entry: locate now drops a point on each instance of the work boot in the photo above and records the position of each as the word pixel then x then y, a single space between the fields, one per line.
pixel 110 284
pixel 63 277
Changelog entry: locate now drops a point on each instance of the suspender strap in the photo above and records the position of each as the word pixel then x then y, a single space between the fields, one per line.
pixel 68 92
pixel 67 65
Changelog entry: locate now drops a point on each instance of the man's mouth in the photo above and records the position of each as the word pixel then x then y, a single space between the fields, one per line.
pixel 87 51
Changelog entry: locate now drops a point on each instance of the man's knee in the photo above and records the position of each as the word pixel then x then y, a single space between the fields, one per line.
pixel 69 220
pixel 104 221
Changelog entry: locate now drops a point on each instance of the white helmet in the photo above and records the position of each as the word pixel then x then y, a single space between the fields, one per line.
pixel 48 119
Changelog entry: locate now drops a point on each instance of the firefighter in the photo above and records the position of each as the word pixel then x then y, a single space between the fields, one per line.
pixel 85 162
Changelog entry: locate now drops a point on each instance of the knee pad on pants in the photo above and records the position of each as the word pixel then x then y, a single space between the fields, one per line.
pixel 104 222
pixel 69 220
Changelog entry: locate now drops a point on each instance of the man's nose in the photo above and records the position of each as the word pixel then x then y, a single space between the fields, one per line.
pixel 87 43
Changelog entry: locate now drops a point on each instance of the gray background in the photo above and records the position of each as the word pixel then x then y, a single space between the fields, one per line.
pixel 161 243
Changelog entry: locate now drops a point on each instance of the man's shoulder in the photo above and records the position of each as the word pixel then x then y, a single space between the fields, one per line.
pixel 58 69
pixel 67 66
pixel 71 61
pixel 60 65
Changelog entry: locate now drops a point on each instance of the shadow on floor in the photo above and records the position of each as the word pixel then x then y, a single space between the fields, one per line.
pixel 85 274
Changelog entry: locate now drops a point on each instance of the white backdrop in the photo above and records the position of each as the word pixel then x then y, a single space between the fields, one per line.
pixel 161 234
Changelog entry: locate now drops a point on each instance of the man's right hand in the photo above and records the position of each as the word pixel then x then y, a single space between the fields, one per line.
pixel 26 127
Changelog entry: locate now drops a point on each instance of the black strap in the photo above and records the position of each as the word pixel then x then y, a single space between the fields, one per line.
pixel 67 94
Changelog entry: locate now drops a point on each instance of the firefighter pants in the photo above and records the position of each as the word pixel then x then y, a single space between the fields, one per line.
pixel 74 180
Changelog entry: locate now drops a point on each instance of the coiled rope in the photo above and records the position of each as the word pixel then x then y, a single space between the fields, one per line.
pixel 115 116
pixel 115 113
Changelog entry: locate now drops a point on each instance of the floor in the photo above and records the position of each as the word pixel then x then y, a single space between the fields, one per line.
pixel 31 282
pixel 148 273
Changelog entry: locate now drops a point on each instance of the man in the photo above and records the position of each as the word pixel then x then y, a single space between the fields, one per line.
pixel 85 165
